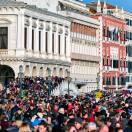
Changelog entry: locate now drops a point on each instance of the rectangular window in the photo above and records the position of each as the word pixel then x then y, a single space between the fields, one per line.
pixel 127 35
pixel 129 67
pixel 130 22
pixel 46 42
pixel 127 78
pixel 104 28
pixel 115 63
pixel 104 82
pixel 25 37
pixel 108 62
pixel 39 41
pixel 59 37
pixel 32 39
pixel 3 37
pixel 65 45
pixel 111 63
pixel 130 36
pixel 53 40
pixel 127 21
pixel 103 62
pixel 113 80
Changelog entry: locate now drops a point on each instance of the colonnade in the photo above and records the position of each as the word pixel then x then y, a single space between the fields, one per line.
pixel 46 38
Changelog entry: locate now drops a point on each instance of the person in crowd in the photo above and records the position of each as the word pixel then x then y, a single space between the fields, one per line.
pixel 24 128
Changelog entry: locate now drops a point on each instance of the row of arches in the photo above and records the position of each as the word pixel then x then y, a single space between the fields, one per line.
pixel 7 73
pixel 43 72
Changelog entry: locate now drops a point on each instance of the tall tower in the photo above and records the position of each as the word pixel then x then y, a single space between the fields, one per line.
pixel 98 7
pixel 105 8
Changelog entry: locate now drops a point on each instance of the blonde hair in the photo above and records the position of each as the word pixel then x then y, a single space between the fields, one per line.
pixel 18 123
pixel 24 128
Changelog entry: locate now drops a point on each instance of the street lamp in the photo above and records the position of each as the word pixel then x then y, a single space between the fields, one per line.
pixel 68 80
pixel 20 76
pixel 97 80
pixel 49 81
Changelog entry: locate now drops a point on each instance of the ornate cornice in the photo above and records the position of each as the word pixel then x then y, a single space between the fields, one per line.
pixel 47 61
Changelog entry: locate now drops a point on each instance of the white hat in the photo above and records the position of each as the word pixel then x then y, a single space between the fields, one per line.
pixel 61 110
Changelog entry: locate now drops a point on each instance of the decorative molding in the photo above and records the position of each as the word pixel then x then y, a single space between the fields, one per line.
pixel 54 28
pixel 34 24
pixel 5 21
pixel 27 22
pixel 66 31
pixel 47 27
pixel 41 25
pixel 60 30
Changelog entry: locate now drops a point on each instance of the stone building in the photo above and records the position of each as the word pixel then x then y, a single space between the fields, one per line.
pixel 49 35
pixel 35 38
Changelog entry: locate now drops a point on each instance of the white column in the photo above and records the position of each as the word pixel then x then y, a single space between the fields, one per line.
pixel 56 42
pixel 36 40
pixel 68 46
pixel 20 35
pixel 62 43
pixel 20 32
pixel 29 36
pixel 43 40
pixel 50 41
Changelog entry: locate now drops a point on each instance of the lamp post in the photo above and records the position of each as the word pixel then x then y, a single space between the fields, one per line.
pixel 20 76
pixel 97 79
pixel 116 82
pixel 68 80
pixel 49 82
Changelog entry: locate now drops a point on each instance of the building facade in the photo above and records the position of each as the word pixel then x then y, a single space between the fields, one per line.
pixel 35 38
pixel 84 45
pixel 127 17
pixel 113 69
pixel 48 35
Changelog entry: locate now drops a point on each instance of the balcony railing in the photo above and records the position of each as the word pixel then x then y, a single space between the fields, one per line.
pixel 3 52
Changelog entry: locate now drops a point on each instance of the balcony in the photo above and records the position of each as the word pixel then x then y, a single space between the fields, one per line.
pixel 84 78
pixel 85 57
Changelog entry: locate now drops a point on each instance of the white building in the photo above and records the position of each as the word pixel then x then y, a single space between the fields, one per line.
pixel 40 37
pixel 35 38
pixel 84 45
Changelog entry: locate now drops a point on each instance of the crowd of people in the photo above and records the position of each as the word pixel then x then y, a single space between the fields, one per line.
pixel 38 111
